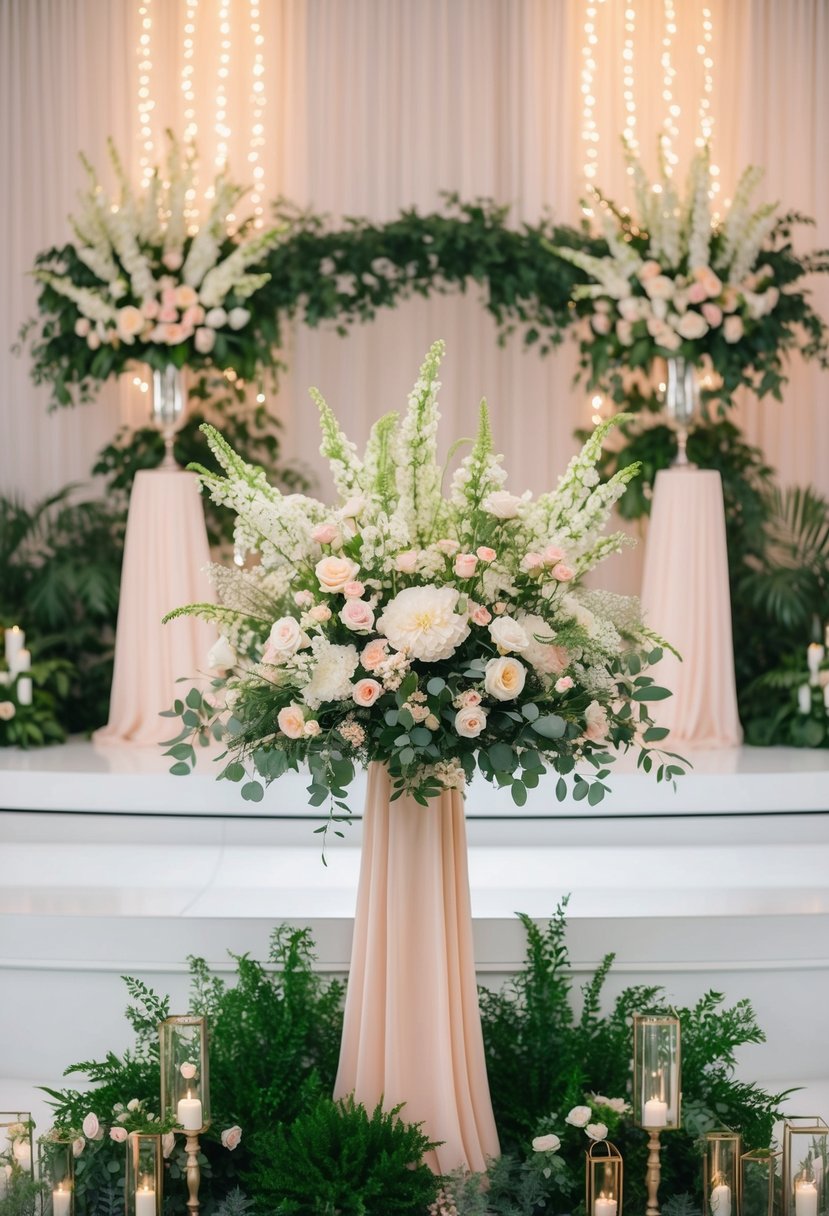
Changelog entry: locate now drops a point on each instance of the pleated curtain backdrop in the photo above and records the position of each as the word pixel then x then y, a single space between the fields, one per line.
pixel 374 105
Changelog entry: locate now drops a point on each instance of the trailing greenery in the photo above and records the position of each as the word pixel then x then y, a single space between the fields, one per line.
pixel 778 558
pixel 274 1044
pixel 22 1196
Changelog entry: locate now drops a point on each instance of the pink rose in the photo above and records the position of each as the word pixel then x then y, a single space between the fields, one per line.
pixel 470 699
pixel 91 1127
pixel 168 1143
pixel 709 280
pixel 172 259
pixel 325 534
pixel 353 590
pixel 601 323
pixel 449 547
pixel 193 316
pixel 562 573
pixel 291 721
pixel 173 334
pixel 303 599
pixel 553 555
pixel 406 562
pixel 479 615
pixel 118 1134
pixel 168 297
pixel 465 564
pixel 532 561
pixel 660 287
pixel 485 554
pixel 649 270
pixel 374 654
pixel 320 613
pixel 205 340
pixel 231 1137
pixel 712 314
pixel 358 616
pixel 312 728
pixel 624 332
pixel 334 572
pixel 366 692
pixel 697 293
pixel 150 308
pixel 564 684
pixel 692 326
pixel 168 313
pixel 597 724
pixel 733 328
pixel 78 1145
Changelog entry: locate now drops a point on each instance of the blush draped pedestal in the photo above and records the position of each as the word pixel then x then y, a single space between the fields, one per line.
pixel 686 599
pixel 165 559
pixel 412 1031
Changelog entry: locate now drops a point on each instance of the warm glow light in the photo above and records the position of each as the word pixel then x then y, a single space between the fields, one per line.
pixel 705 51
pixel 221 128
pixel 670 130
pixel 627 81
pixel 146 105
pixel 257 108
pixel 589 130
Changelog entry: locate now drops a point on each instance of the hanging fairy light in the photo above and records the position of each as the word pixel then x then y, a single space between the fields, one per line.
pixel 670 129
pixel 628 95
pixel 589 130
pixel 146 105
pixel 187 70
pixel 222 127
pixel 257 105
pixel 705 51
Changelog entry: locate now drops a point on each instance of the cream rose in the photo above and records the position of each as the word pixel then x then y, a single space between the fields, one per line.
pixel 596 1131
pixel 291 721
pixel 130 321
pixel 7 711
pixel 334 572
pixel 374 654
pixel 285 639
pixel 204 340
pixel 504 678
pixel 231 1137
pixel 601 323
pixel 712 314
pixel 470 721
pixel 423 622
pixel 508 635
pixel 502 504
pixel 579 1116
pixel 733 328
pixel 660 287
pixel 692 326
pixel 406 562
pixel 546 1144
pixel 358 616
pixel 597 724
pixel 238 318
pixel 465 565
pixel 366 692
pixel 216 318
pixel 185 296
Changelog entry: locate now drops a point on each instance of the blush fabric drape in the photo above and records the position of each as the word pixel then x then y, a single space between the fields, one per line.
pixel 412 1030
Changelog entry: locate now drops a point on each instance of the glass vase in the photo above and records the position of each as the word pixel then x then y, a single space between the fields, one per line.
pixel 145 1172
pixel 656 1072
pixel 185 1091
pixel 682 403
pixel 169 408
pixel 721 1173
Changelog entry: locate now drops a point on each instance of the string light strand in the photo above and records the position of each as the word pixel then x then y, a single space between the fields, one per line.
pixel 146 105
pixel 257 104
pixel 670 128
pixel 705 51
pixel 628 94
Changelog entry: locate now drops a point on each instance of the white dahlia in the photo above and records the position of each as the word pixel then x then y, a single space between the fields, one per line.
pixel 423 622
pixel 331 675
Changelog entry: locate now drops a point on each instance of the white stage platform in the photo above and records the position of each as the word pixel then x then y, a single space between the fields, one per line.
pixel 109 866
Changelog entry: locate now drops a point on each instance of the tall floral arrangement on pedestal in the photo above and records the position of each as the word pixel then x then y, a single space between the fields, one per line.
pixel 721 291
pixel 143 283
pixel 436 632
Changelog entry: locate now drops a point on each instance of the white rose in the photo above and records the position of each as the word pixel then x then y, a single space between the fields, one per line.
pixel 133 1104
pixel 334 572
pixel 353 507
pixel 285 639
pixel 470 721
pixel 204 339
pixel 578 1116
pixel 660 287
pixel 504 678
pixel 502 504
pixel 423 622
pixel 216 318
pixel 733 328
pixel 221 656
pixel 91 1127
pixel 238 318
pixel 82 327
pixel 546 1144
pixel 630 308
pixel 692 325
pixel 507 634
pixel 231 1136
pixel 291 721
pixel 358 616
pixel 596 1131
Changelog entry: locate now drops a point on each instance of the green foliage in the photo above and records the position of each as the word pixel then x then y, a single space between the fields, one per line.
pixel 339 1160
pixel 22 1196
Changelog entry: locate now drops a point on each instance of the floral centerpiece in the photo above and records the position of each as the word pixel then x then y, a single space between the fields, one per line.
pixel 144 284
pixel 436 633
pixel 678 282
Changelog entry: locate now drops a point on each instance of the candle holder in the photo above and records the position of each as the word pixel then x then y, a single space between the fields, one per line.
pixel 656 1090
pixel 805 1151
pixel 758 1182
pixel 56 1166
pixel 145 1175
pixel 604 1174
pixel 185 1092
pixel 721 1173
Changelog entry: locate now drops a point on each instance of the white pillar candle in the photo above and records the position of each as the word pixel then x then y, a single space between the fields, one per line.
pixel 15 640
pixel 23 1155
pixel 814 658
pixel 721 1200
pixel 804 699
pixel 61 1202
pixel 24 690
pixel 23 662
pixel 189 1114
pixel 805 1199
pixel 604 1206
pixel 144 1202
pixel 655 1113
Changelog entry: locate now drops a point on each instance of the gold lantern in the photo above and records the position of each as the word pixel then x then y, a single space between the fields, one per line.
pixel 145 1174
pixel 758 1182
pixel 604 1176
pixel 805 1145
pixel 721 1173
pixel 57 1175
pixel 656 1089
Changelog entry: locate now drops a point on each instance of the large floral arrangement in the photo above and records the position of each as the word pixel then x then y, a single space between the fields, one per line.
pixel 725 292
pixel 433 633
pixel 144 284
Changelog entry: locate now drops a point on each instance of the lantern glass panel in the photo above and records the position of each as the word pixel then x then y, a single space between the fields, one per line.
pixel 57 1175
pixel 144 1175
pixel 759 1179
pixel 656 1072
pixel 805 1146
pixel 721 1173
pixel 604 1180
pixel 185 1089
pixel 16 1150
